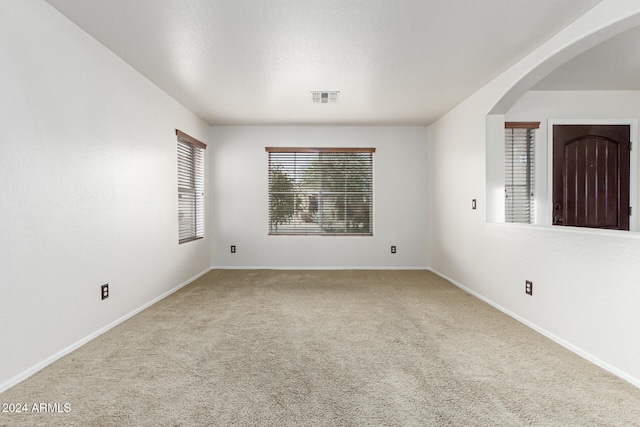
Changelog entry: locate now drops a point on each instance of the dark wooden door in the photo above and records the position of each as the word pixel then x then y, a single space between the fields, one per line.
pixel 591 166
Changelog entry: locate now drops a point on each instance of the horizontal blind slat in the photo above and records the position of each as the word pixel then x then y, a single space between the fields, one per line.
pixel 519 174
pixel 321 193
pixel 190 191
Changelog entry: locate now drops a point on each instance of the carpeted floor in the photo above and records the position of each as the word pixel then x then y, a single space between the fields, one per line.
pixel 315 348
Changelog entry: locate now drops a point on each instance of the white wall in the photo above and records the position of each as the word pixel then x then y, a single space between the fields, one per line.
pixel 586 284
pixel 597 106
pixel 240 204
pixel 88 194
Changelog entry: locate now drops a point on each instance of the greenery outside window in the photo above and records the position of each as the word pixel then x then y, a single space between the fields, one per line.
pixel 320 191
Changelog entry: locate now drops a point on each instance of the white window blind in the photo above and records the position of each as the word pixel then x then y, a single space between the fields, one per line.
pixel 320 191
pixel 190 188
pixel 519 169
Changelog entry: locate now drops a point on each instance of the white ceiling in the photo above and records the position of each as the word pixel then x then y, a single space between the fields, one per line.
pixel 255 62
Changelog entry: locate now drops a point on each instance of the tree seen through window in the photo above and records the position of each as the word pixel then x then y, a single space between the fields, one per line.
pixel 322 192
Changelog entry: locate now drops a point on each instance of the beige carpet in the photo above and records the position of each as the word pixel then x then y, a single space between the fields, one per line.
pixel 315 348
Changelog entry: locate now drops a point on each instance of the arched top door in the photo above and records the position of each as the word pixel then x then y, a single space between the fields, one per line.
pixel 591 176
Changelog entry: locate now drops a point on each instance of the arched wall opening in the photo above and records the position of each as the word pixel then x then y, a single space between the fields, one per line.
pixel 519 103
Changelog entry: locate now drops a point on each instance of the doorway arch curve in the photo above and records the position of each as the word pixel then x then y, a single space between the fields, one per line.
pixel 529 75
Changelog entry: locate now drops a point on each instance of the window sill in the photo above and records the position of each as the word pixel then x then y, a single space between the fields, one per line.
pixel 570 229
pixel 190 239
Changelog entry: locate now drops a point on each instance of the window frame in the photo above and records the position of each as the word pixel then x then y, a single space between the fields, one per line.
pixel 190 167
pixel 355 214
pixel 520 136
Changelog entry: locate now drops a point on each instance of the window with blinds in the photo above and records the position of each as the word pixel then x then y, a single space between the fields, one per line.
pixel 190 188
pixel 321 191
pixel 519 171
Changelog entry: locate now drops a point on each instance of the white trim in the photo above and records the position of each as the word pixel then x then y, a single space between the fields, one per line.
pixel 582 230
pixel 633 175
pixel 49 360
pixel 315 267
pixel 27 373
pixel 585 355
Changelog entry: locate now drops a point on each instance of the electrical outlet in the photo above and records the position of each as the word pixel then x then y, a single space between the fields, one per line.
pixel 233 249
pixel 528 287
pixel 104 291
pixel 393 249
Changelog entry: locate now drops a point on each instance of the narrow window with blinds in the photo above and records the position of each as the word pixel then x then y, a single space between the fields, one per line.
pixel 519 171
pixel 190 188
pixel 320 191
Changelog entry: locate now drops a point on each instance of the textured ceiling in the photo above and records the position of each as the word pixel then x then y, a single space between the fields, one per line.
pixel 256 62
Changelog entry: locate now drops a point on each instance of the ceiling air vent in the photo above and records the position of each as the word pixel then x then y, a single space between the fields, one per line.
pixel 324 97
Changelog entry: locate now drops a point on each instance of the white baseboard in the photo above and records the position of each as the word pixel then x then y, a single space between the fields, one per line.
pixel 27 373
pixel 315 267
pixel 580 352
